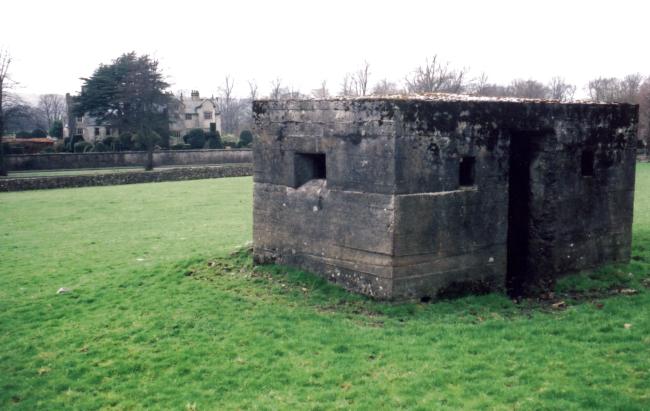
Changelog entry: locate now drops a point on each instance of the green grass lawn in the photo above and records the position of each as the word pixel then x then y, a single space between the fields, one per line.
pixel 161 316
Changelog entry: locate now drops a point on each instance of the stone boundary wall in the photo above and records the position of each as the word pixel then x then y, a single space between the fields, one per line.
pixel 62 161
pixel 134 177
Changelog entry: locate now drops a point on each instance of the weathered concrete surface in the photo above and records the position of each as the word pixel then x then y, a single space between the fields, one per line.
pixel 418 195
pixel 131 177
pixel 58 161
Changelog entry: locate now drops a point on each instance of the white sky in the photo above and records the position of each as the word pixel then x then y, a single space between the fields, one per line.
pixel 304 42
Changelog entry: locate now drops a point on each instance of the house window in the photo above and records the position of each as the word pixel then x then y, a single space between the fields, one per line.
pixel 587 163
pixel 466 171
pixel 207 115
pixel 80 119
pixel 308 166
pixel 188 116
pixel 96 131
pixel 80 131
pixel 108 131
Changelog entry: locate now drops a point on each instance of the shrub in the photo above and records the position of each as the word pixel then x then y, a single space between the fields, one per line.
pixel 180 146
pixel 126 141
pixel 48 150
pixel 56 129
pixel 112 143
pixel 195 138
pixel 245 138
pixel 141 142
pixel 213 140
pixel 229 144
pixel 23 134
pixel 70 143
pixel 39 133
pixel 100 147
pixel 164 139
pixel 82 146
pixel 59 146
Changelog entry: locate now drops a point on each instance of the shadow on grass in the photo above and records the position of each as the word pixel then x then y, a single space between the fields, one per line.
pixel 293 287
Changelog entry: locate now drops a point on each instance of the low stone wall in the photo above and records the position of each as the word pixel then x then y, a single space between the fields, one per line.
pixel 62 161
pixel 132 177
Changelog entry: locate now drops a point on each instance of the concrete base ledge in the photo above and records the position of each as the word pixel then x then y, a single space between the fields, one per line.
pixel 132 177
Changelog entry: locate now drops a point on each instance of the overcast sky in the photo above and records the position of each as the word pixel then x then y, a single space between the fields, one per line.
pixel 304 42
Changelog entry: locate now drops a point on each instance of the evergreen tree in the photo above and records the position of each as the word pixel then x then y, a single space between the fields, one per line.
pixel 56 130
pixel 130 95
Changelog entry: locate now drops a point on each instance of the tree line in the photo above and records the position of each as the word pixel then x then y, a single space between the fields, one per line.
pixel 132 95
pixel 437 76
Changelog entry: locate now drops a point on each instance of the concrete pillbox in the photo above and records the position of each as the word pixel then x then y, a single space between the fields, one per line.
pixel 406 197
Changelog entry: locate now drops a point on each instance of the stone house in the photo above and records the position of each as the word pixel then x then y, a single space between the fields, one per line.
pixel 422 196
pixel 184 115
pixel 195 112
pixel 90 129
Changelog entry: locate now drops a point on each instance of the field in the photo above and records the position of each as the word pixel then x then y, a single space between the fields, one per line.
pixel 162 315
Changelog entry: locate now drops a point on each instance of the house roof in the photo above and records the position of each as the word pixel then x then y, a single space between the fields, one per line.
pixel 190 106
pixel 90 121
pixel 31 140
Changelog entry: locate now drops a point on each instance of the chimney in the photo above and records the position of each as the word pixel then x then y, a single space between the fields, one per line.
pixel 195 95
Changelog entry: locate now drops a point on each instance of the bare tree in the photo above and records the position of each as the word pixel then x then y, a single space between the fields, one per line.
pixel 494 90
pixel 348 87
pixel 604 89
pixel 276 89
pixel 228 106
pixel 560 89
pixel 479 85
pixel 252 87
pixel 19 115
pixel 5 85
pixel 434 76
pixel 528 89
pixel 361 79
pixel 612 89
pixel 385 87
pixel 292 94
pixel 629 88
pixel 322 91
pixel 53 106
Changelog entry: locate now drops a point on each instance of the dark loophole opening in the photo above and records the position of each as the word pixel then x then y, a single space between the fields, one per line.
pixel 309 166
pixel 425 299
pixel 466 172
pixel 587 163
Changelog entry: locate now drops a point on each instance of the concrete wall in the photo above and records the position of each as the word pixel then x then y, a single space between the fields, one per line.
pixel 393 218
pixel 56 161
